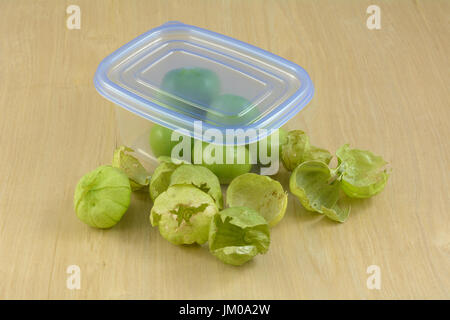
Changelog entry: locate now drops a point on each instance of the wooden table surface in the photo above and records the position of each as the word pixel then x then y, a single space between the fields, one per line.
pixel 386 90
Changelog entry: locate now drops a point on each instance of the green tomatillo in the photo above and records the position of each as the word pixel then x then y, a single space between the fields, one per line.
pixel 124 160
pixel 260 193
pixel 363 174
pixel 239 159
pixel 238 234
pixel 195 85
pixel 183 214
pixel 200 177
pixel 296 149
pixel 160 180
pixel 318 189
pixel 232 110
pixel 102 196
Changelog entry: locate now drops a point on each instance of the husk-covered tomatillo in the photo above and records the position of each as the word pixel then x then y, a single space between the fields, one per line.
pixel 183 214
pixel 199 177
pixel 238 234
pixel 102 196
pixel 260 193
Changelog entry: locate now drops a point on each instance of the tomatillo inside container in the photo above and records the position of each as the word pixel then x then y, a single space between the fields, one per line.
pixel 177 75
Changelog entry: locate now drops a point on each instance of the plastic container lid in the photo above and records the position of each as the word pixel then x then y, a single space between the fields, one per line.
pixel 176 74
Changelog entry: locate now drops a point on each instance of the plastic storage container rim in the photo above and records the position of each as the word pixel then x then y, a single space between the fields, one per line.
pixel 105 86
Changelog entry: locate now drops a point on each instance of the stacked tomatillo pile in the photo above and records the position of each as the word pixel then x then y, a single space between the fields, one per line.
pixel 188 203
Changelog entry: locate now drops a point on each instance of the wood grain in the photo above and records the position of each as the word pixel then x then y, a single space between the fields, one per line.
pixel 385 90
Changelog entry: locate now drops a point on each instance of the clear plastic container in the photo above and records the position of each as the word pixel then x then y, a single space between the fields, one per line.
pixel 177 74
